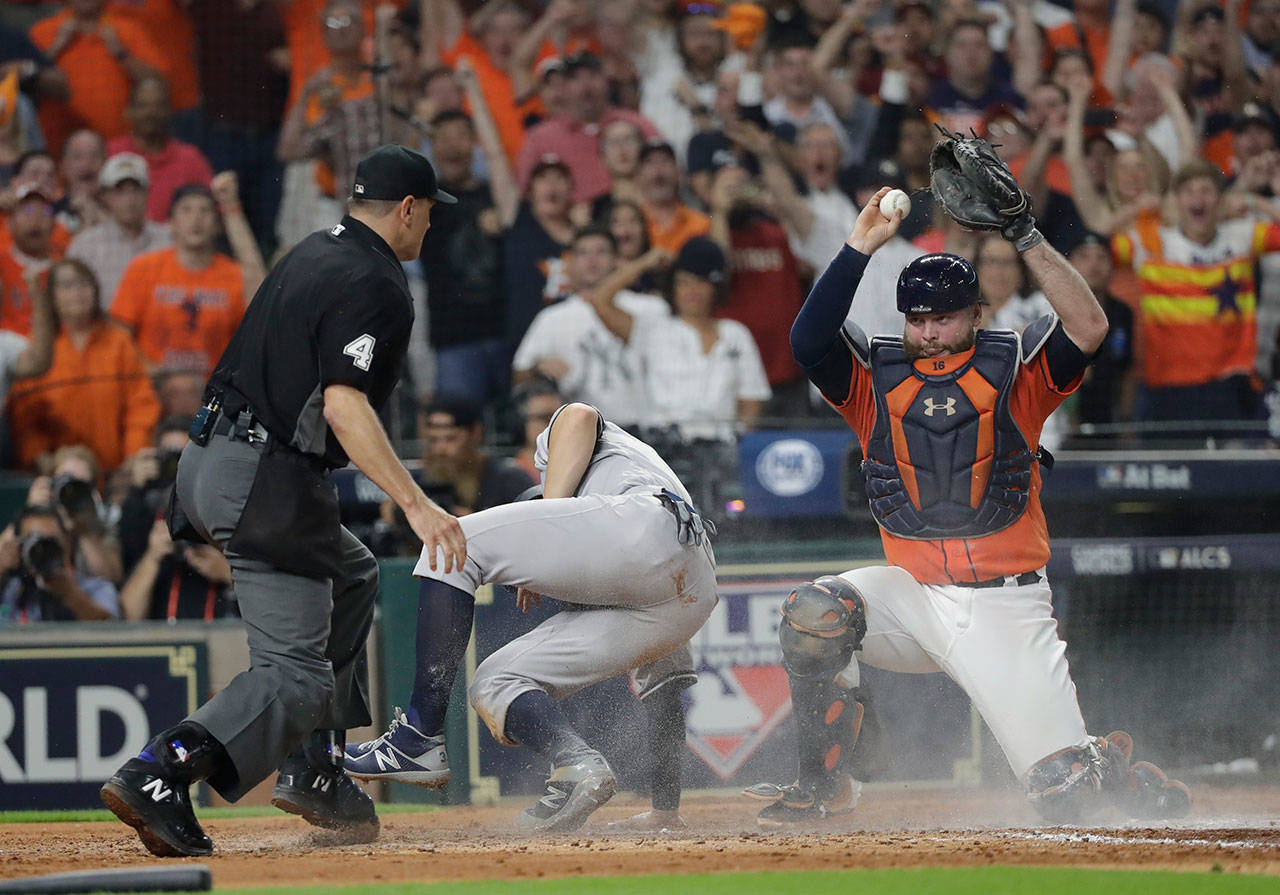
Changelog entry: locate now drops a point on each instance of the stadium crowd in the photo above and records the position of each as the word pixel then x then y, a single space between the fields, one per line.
pixel 646 190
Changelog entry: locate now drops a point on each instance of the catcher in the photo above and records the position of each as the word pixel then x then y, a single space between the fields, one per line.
pixel 949 417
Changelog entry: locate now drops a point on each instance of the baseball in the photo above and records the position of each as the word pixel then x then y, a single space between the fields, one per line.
pixel 892 201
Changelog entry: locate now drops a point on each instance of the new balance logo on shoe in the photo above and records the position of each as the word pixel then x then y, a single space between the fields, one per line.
pixel 156 789
pixel 403 754
pixel 322 783
pixel 554 798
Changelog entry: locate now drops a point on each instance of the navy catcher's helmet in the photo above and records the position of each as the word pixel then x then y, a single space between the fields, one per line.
pixel 934 284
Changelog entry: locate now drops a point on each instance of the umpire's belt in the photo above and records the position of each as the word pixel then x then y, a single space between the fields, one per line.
pixel 242 427
pixel 1008 580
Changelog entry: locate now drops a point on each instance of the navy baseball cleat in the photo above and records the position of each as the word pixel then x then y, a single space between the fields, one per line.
pixel 403 754
pixel 573 792
pixel 158 806
pixel 325 797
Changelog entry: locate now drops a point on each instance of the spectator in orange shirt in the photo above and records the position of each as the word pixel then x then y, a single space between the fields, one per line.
pixel 168 25
pixel 332 124
pixel 102 55
pixel 25 263
pixel 183 302
pixel 671 221
pixel 1089 31
pixel 488 40
pixel 171 163
pixel 96 392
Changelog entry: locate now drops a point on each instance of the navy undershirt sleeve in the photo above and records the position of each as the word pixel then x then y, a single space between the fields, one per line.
pixel 1066 361
pixel 815 335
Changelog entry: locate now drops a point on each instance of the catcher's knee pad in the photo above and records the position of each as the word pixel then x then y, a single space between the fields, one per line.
pixel 1071 784
pixel 824 621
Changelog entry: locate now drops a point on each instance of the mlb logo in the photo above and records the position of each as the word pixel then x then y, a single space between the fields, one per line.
pixel 741 697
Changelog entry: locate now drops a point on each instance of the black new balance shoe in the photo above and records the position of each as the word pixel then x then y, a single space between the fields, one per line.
pixel 325 797
pixel 573 792
pixel 158 807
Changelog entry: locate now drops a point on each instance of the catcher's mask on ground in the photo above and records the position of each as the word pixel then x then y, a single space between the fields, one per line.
pixel 937 283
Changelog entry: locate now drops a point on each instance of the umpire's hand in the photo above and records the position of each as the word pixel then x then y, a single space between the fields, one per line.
pixel 360 432
pixel 438 531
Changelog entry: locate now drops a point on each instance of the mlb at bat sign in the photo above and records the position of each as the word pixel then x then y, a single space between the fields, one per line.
pixel 70 715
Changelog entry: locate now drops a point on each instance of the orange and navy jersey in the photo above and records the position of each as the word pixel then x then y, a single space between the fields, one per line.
pixel 1038 387
pixel 1197 307
pixel 182 319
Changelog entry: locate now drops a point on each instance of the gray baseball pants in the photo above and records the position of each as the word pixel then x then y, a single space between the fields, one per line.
pixel 307 636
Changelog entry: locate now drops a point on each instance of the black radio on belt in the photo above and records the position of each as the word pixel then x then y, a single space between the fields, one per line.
pixel 203 422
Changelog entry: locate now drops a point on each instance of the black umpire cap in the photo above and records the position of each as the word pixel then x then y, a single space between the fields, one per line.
pixel 393 172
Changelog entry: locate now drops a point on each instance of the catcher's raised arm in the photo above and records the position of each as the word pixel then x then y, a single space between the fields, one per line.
pixel 977 189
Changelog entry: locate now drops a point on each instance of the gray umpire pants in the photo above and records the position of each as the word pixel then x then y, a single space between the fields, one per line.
pixel 307 636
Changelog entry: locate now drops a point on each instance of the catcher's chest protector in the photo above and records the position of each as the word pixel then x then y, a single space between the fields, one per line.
pixel 946 459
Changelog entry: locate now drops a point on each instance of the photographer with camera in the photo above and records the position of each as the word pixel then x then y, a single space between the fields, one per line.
pixel 37 579
pixel 167 579
pixel 151 472
pixel 70 487
pixel 178 579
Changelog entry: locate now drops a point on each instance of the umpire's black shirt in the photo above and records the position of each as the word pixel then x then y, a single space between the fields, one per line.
pixel 335 310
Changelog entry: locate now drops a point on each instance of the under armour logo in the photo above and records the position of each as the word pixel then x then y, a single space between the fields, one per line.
pixel 156 789
pixel 949 406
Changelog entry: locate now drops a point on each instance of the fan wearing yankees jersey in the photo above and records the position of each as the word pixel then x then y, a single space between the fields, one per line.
pixel 568 344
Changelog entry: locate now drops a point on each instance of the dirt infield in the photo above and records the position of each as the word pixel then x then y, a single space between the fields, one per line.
pixel 1232 829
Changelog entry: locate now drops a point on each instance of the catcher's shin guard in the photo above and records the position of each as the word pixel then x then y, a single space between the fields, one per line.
pixel 828 719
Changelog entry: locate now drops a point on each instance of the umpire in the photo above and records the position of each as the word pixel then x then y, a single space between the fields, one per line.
pixel 295 395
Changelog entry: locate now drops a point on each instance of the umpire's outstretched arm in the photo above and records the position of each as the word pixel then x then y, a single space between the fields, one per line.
pixel 360 432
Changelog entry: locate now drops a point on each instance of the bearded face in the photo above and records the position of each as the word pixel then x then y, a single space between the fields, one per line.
pixel 937 335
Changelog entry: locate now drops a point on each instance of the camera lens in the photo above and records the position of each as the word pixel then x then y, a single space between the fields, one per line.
pixel 41 554
pixel 75 495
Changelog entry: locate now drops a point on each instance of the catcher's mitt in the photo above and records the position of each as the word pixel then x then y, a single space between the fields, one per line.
pixel 977 189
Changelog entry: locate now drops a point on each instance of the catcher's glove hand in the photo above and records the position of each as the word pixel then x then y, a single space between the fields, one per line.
pixel 978 190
